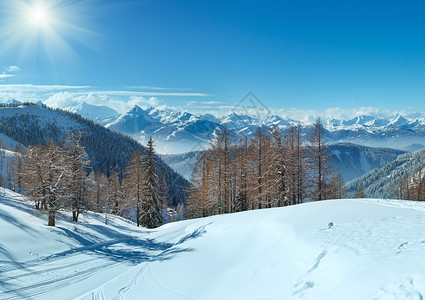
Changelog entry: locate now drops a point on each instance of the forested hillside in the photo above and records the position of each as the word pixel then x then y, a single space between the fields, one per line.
pixel 353 161
pixel 400 179
pixel 108 151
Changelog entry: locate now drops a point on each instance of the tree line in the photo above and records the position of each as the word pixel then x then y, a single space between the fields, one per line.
pixel 271 169
pixel 58 176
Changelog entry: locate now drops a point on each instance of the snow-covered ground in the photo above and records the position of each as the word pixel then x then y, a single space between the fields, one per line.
pixel 340 249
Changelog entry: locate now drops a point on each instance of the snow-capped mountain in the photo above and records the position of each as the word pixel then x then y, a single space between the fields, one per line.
pixel 179 132
pixel 93 112
pixel 12 102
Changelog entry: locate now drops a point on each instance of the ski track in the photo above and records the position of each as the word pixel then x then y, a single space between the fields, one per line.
pixel 178 236
pixel 134 282
pixel 139 279
pixel 57 266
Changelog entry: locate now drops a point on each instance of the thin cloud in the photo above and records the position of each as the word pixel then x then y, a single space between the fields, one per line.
pixel 203 103
pixel 2 76
pixel 146 94
pixel 12 69
pixel 37 88
pixel 155 88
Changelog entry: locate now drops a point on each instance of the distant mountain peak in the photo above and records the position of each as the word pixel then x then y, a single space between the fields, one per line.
pixel 93 112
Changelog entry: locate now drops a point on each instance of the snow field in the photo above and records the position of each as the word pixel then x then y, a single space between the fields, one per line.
pixel 337 249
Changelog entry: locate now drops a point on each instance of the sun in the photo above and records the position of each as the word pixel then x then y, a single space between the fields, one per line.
pixel 39 16
pixel 46 30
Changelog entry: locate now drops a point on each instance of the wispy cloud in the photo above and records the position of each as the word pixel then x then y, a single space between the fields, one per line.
pixel 155 88
pixel 12 69
pixel 146 94
pixel 38 88
pixel 203 103
pixel 8 70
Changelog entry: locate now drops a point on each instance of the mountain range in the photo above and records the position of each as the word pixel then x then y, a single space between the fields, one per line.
pixel 179 132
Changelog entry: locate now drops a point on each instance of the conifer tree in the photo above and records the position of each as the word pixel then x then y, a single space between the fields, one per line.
pixel 151 216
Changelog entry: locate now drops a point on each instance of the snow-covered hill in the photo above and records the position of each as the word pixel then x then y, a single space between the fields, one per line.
pixel 107 150
pixel 338 249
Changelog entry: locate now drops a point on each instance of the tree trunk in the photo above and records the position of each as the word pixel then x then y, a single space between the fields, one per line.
pixel 75 216
pixel 51 221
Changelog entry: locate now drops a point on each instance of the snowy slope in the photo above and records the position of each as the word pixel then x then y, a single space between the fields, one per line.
pixel 340 249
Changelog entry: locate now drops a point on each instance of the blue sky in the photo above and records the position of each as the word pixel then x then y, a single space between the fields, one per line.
pixel 305 55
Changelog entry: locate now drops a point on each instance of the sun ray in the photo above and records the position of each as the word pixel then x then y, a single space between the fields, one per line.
pixel 44 28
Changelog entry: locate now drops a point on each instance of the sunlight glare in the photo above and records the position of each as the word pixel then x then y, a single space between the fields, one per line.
pixel 45 30
pixel 39 16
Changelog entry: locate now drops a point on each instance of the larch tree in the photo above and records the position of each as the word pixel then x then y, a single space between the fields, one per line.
pixel 279 166
pixel 320 162
pixel 34 176
pixel 256 157
pixel 77 164
pixel 299 164
pixel 360 191
pixel 241 180
pixel 47 175
pixel 115 196
pixel 133 183
pixel 197 203
pixel 96 190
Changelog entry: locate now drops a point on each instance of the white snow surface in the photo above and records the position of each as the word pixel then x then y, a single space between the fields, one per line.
pixel 338 249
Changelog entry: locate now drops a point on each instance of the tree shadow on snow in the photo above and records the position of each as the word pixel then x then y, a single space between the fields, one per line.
pixel 4 266
pixel 120 247
pixel 16 222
